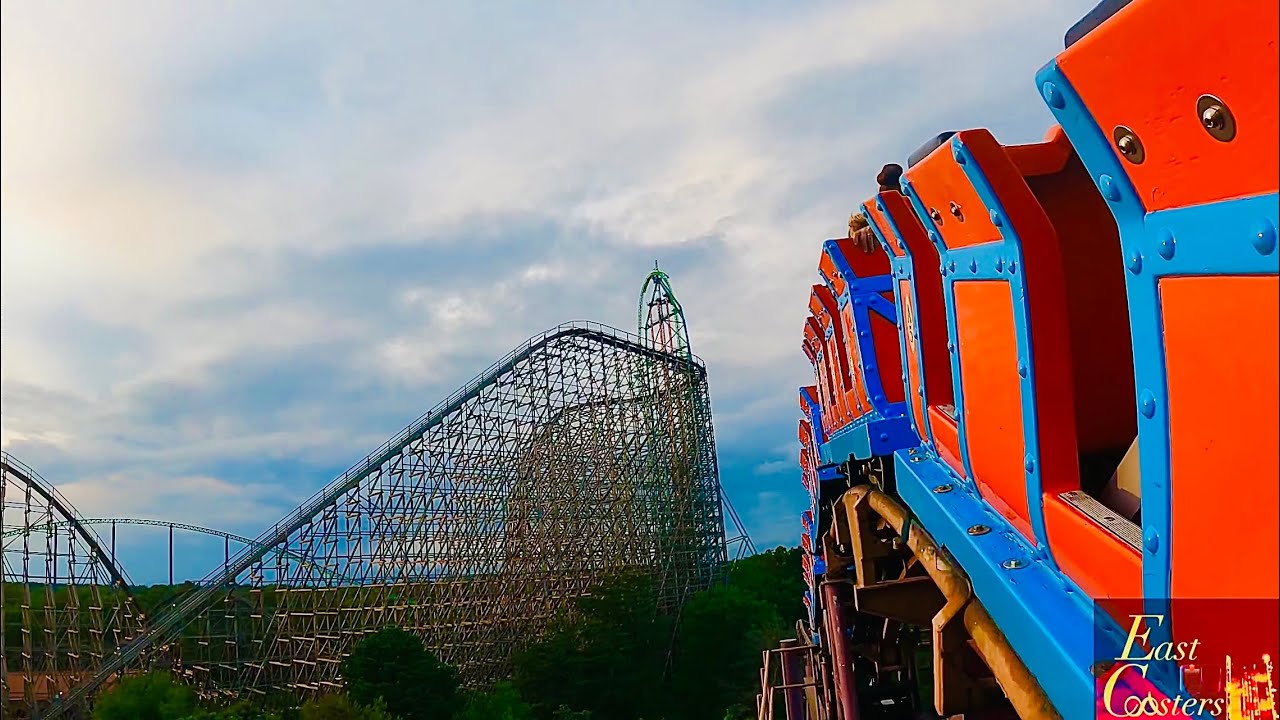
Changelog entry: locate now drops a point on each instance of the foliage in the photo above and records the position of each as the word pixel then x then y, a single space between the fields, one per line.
pixel 775 576
pixel 502 702
pixel 392 665
pixel 239 711
pixel 722 633
pixel 340 707
pixel 605 660
pixel 607 657
pixel 154 696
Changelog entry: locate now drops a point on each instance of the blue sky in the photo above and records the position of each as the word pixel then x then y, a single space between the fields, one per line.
pixel 243 244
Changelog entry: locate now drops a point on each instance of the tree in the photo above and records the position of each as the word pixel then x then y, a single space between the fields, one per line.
pixel 502 702
pixel 239 711
pixel 154 696
pixel 340 707
pixel 774 576
pixel 392 665
pixel 607 657
pixel 722 633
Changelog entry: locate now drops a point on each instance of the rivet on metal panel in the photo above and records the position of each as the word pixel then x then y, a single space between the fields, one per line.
pixel 979 530
pixel 973 266
pixel 999 264
pixel 996 219
pixel 1029 463
pixel 942 489
pixel 935 216
pixel 951 347
pixel 1022 368
pixel 951 266
pixel 1151 540
pixel 1013 564
pixel 1264 237
pixel 933 237
pixel 956 212
pixel 1107 185
pixel 1165 244
pixel 884 437
pixel 1053 96
pixel 863 334
pixel 1013 267
pixel 857 301
pixel 958 154
pixel 1216 118
pixel 1134 263
pixel 1129 145
pixel 1147 403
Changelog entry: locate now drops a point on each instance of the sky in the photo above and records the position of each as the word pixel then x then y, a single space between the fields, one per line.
pixel 245 243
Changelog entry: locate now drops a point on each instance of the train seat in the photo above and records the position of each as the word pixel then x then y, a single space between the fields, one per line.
pixel 922 321
pixel 1038 330
pixel 1186 159
pixel 860 295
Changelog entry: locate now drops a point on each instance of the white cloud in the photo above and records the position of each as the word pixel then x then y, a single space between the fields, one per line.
pixel 175 177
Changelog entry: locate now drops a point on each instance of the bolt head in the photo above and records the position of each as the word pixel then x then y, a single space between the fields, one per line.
pixel 1264 237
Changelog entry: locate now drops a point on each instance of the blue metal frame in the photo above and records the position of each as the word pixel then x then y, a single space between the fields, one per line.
pixel 886 426
pixel 1047 619
pixel 903 268
pixel 1231 237
pixel 865 295
pixel 999 260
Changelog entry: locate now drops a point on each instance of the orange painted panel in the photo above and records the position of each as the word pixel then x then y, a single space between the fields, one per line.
pixel 1226 48
pixel 932 312
pixel 939 182
pixel 827 269
pixel 888 349
pixel 864 264
pixel 947 437
pixel 828 313
pixel 992 387
pixel 913 356
pixel 1092 272
pixel 1043 158
pixel 859 398
pixel 877 218
pixel 1224 403
pixel 1103 565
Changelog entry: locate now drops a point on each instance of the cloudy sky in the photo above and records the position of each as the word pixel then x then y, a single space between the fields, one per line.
pixel 245 243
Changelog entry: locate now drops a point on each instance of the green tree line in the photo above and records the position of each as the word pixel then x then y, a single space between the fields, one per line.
pixel 616 656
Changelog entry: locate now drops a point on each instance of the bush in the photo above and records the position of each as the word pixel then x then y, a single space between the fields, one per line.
pixel 154 696
pixel 502 702
pixel 340 707
pixel 392 665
